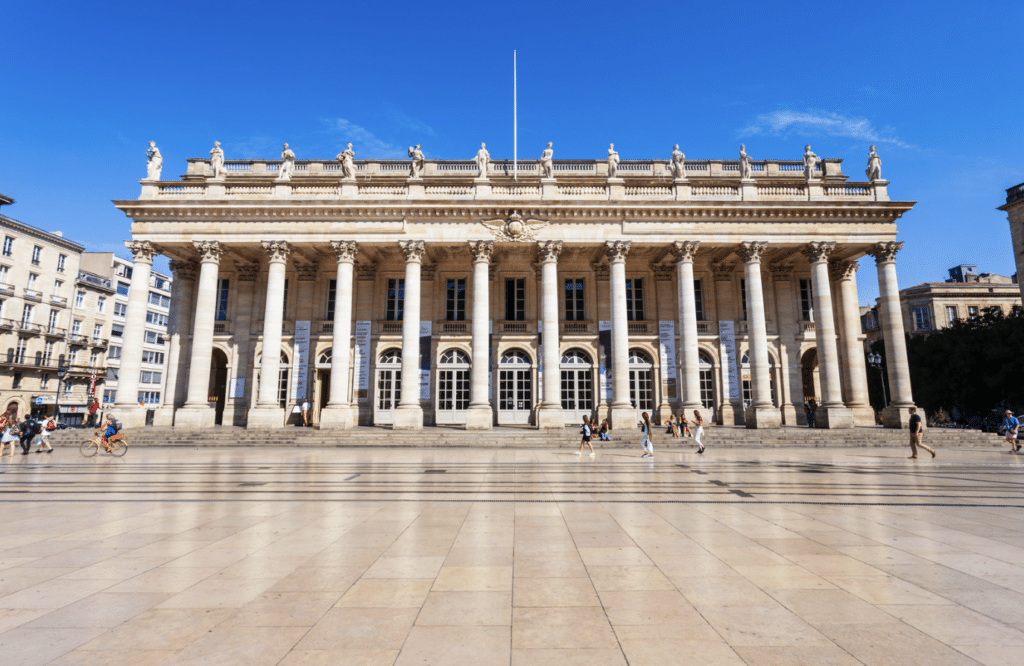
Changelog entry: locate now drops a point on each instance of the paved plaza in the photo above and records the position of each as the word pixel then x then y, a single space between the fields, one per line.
pixel 524 557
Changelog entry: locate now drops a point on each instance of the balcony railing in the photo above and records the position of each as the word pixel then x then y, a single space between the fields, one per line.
pixel 33 295
pixel 453 327
pixel 94 280
pixel 100 342
pixel 54 332
pixel 577 327
pixel 78 339
pixel 703 327
pixel 59 301
pixel 6 288
pixel 326 326
pixel 29 327
pixel 221 327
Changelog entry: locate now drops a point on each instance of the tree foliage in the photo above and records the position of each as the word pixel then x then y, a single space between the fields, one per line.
pixel 971 367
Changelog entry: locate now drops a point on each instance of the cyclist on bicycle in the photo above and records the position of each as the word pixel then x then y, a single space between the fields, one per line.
pixel 109 433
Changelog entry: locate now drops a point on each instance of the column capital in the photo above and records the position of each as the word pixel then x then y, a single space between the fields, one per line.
pixel 481 250
pixel 209 251
pixel 346 251
pixel 842 270
pixel 549 250
pixel 413 251
pixel 278 251
pixel 883 252
pixel 141 250
pixel 751 251
pixel 617 250
pixel 184 270
pixel 684 250
pixel 818 251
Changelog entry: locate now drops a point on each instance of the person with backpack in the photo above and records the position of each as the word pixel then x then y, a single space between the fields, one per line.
pixel 9 426
pixel 646 441
pixel 111 429
pixel 29 428
pixel 44 437
pixel 586 431
pixel 1009 428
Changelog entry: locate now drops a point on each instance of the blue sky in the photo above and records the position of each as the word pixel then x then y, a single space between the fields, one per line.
pixel 935 86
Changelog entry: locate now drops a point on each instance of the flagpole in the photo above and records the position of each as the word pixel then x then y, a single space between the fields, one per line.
pixel 515 122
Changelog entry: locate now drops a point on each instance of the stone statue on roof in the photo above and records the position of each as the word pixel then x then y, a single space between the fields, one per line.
pixel 155 162
pixel 874 170
pixel 613 161
pixel 547 167
pixel 418 161
pixel 217 160
pixel 746 170
pixel 810 162
pixel 678 163
pixel 347 158
pixel 482 159
pixel 287 165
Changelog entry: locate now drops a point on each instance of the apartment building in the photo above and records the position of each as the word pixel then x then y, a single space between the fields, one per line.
pixel 117 272
pixel 38 295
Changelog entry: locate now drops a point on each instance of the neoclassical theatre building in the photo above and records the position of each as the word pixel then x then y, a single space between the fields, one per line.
pixel 478 293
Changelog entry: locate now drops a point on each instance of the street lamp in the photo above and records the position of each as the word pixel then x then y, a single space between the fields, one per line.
pixel 875 361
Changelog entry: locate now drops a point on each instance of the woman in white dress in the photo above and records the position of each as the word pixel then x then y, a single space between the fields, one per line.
pixel 10 436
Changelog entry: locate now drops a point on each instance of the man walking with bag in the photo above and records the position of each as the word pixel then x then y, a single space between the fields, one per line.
pixel 916 432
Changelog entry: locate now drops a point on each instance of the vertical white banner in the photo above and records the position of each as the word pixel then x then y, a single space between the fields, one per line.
pixel 361 360
pixel 300 361
pixel 490 360
pixel 667 340
pixel 540 361
pixel 604 335
pixel 727 343
pixel 425 329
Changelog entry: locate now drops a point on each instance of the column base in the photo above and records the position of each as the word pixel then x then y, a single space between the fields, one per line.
pixel 131 416
pixel 479 418
pixel 833 417
pixel 762 417
pixel 338 417
pixel 863 416
pixel 623 419
pixel 408 418
pixel 729 414
pixel 896 416
pixel 264 418
pixel 164 417
pixel 193 416
pixel 550 418
pixel 789 417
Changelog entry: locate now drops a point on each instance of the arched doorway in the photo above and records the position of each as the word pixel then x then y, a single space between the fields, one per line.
pixel 452 387
pixel 641 383
pixel 389 386
pixel 577 385
pixel 323 383
pixel 515 388
pixel 809 374
pixel 748 395
pixel 706 366
pixel 218 384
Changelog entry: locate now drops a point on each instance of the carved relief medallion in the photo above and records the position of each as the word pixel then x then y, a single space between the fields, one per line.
pixel 515 229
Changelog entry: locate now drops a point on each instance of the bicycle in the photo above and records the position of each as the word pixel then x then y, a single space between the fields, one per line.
pixel 90 447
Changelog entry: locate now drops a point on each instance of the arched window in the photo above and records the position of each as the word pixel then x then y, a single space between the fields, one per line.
pixel 641 382
pixel 454 357
pixel 706 367
pixel 576 357
pixel 637 357
pixel 748 395
pixel 390 357
pixel 515 357
pixel 324 359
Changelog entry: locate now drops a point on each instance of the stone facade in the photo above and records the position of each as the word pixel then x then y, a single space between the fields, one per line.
pixel 507 298
pixel 1014 209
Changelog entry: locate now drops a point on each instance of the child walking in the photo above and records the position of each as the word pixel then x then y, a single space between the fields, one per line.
pixel 586 431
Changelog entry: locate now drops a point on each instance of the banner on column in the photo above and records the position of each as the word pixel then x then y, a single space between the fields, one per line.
pixel 360 361
pixel 300 360
pixel 604 339
pixel 237 387
pixel 425 329
pixel 727 343
pixel 490 360
pixel 667 339
pixel 540 361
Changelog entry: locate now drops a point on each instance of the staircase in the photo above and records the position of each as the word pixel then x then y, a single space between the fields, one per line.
pixel 528 438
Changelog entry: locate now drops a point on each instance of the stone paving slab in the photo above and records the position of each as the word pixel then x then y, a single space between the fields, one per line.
pixel 512 556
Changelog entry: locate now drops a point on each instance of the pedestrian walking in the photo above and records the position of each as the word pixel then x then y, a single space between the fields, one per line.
pixel 10 433
pixel 94 408
pixel 698 430
pixel 645 426
pixel 586 431
pixel 603 432
pixel 1009 428
pixel 305 413
pixel 28 433
pixel 916 432
pixel 44 437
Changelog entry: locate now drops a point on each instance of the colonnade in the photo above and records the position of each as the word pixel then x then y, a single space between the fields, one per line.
pixel 341 410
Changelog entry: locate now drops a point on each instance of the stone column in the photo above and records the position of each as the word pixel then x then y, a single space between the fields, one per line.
pixel 480 415
pixel 789 381
pixel 550 413
pixel 689 376
pixel 730 410
pixel 761 413
pixel 338 412
pixel 832 413
pixel 268 412
pixel 623 414
pixel 197 412
pixel 901 397
pixel 178 326
pixel 126 404
pixel 409 414
pixel 855 376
